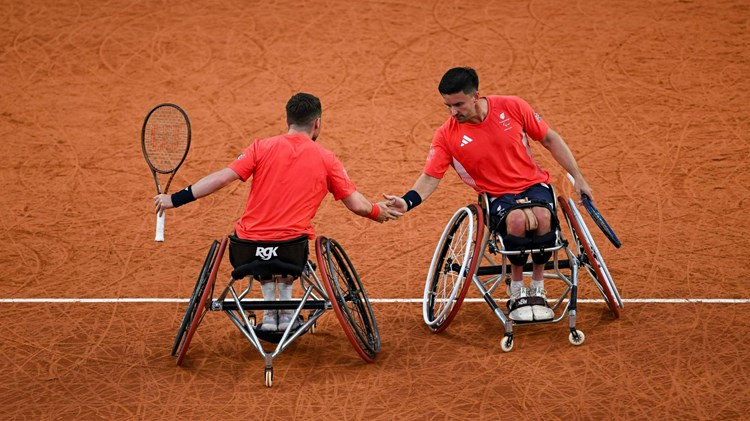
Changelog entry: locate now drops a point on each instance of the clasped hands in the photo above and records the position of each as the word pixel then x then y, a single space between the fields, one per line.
pixel 392 208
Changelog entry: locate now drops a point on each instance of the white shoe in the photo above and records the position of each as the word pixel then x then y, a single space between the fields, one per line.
pixel 270 321
pixel 285 317
pixel 520 310
pixel 541 312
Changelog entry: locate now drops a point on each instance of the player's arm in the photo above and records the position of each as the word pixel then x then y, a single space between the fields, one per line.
pixel 559 150
pixel 422 189
pixel 205 186
pixel 379 212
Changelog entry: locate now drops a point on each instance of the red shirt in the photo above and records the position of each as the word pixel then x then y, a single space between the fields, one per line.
pixel 493 156
pixel 291 176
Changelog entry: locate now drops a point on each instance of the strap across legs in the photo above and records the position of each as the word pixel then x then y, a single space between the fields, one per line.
pixel 531 222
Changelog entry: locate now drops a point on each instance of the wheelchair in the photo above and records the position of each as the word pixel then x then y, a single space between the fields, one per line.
pixel 468 249
pixel 338 288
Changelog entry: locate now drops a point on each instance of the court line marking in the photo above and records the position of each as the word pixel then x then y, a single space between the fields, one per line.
pixel 374 300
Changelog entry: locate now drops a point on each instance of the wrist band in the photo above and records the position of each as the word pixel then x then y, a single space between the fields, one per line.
pixel 375 212
pixel 183 197
pixel 413 199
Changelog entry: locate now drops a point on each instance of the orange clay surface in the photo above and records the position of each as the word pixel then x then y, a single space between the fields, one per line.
pixel 652 98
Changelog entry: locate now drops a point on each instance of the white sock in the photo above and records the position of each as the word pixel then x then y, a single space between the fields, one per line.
pixel 536 284
pixel 516 286
pixel 269 291
pixel 285 290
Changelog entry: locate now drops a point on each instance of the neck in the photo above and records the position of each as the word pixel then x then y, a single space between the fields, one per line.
pixel 481 110
pixel 296 130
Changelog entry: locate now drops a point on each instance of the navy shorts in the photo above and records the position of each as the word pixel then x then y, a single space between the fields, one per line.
pixel 501 205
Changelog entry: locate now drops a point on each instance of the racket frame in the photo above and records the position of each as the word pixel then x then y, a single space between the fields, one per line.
pixel 154 171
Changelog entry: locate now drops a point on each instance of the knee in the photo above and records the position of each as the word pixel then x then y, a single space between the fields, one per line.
pixel 543 216
pixel 515 223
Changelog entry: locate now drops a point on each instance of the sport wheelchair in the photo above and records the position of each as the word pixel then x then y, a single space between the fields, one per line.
pixel 340 289
pixel 466 249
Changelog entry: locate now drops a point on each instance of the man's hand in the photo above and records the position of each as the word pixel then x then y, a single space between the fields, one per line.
pixel 582 187
pixel 396 203
pixel 387 213
pixel 162 202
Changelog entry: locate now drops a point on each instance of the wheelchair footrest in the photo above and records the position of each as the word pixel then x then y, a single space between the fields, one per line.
pixel 274 336
pixel 270 305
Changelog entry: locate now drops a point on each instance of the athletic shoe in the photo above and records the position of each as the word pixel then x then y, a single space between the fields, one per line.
pixel 285 317
pixel 270 321
pixel 520 310
pixel 541 309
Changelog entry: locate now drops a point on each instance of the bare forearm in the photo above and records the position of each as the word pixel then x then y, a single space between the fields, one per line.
pixel 214 182
pixel 425 185
pixel 561 152
pixel 358 204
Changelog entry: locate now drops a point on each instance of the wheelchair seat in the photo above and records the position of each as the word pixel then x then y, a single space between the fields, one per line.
pixel 263 259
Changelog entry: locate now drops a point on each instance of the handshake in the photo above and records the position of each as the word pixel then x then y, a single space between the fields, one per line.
pixel 392 208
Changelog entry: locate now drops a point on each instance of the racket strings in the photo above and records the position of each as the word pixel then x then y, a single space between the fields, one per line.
pixel 166 139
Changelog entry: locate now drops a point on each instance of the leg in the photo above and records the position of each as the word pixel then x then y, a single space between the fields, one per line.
pixel 536 287
pixel 270 317
pixel 285 294
pixel 515 225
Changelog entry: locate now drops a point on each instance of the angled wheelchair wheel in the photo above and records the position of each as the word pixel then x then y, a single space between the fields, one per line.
pixel 590 256
pixel 348 298
pixel 200 307
pixel 200 285
pixel 453 266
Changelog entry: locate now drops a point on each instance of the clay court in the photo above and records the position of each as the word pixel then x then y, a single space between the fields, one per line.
pixel 651 97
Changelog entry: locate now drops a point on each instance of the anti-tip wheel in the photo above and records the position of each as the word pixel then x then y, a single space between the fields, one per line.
pixel 506 344
pixel 576 338
pixel 269 377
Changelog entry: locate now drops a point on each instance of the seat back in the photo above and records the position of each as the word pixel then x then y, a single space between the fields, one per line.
pixel 267 258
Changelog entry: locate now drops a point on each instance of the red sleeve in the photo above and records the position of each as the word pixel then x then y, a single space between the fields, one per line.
pixel 244 165
pixel 533 123
pixel 438 159
pixel 339 183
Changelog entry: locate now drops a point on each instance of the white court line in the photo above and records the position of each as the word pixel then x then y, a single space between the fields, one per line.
pixel 373 300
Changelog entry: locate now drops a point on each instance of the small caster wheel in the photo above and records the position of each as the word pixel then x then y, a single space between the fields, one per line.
pixel 269 376
pixel 576 337
pixel 506 344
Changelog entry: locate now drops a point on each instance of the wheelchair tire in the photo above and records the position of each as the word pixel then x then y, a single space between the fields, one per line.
pixel 590 256
pixel 348 298
pixel 453 264
pixel 200 284
pixel 199 309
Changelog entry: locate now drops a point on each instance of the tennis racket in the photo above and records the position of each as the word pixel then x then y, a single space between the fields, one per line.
pixel 165 139
pixel 597 217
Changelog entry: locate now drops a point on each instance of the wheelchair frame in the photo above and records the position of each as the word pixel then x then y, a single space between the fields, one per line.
pixel 451 265
pixel 340 289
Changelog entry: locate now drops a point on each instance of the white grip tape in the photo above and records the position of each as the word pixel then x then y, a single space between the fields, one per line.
pixel 160 227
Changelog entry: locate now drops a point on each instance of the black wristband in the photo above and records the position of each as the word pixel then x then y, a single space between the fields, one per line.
pixel 183 197
pixel 413 199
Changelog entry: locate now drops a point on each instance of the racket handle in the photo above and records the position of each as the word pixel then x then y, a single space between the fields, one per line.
pixel 160 227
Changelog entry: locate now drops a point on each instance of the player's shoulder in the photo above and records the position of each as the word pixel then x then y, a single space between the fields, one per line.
pixel 505 99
